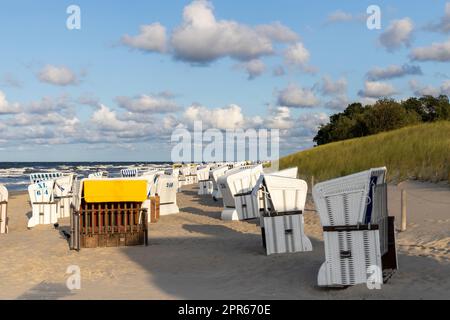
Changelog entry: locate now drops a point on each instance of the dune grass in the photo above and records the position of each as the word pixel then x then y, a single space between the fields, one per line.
pixel 419 152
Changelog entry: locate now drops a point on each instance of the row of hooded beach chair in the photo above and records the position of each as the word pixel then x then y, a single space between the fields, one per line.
pixel 359 234
pixel 3 209
pixel 44 176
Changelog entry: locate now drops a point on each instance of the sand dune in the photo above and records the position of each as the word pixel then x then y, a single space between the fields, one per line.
pixel 194 255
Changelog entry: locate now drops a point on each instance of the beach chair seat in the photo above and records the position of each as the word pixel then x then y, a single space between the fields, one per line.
pixel 359 235
pixel 43 203
pixel 237 181
pixel 63 195
pixel 109 213
pixel 3 209
pixel 166 189
pixel 282 222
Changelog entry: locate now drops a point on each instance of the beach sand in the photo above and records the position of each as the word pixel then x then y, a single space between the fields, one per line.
pixel 195 255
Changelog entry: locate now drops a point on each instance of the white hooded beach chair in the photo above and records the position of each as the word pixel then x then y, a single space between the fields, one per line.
pixel 359 235
pixel 282 223
pixel 129 173
pixel 214 177
pixel 43 203
pixel 44 176
pixel 204 183
pixel 98 175
pixel 249 204
pixel 3 209
pixel 63 195
pixel 235 182
pixel 166 189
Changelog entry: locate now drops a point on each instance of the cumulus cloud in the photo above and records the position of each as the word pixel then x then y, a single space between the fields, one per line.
pixel 436 52
pixel 49 104
pixel 58 75
pixel 398 34
pixel 7 107
pixel 377 89
pixel 330 87
pixel 428 90
pixel 201 38
pixel 147 103
pixel 254 68
pixel 297 97
pixel 280 118
pixel 229 117
pixel 152 38
pixel 297 55
pixel 339 102
pixel 393 71
pixel 443 25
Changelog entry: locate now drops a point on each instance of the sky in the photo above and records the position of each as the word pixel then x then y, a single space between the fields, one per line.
pixel 116 88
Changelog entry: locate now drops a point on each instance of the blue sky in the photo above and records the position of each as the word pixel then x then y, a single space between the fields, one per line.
pixel 114 91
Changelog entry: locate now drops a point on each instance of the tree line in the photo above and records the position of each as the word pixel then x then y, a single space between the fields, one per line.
pixel 386 114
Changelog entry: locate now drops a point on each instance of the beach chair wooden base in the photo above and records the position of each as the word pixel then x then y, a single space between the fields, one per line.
pixel 112 240
pixel 63 206
pixel 248 206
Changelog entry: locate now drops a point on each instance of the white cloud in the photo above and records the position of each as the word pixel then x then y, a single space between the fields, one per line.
pixel 393 71
pixel 7 107
pixel 201 38
pixel 296 97
pixel 339 16
pixel 330 87
pixel 280 118
pixel 9 80
pixel 436 52
pixel 58 75
pixel 230 117
pixel 443 25
pixel 147 103
pixel 152 38
pixel 339 102
pixel 377 89
pixel 48 104
pixel 398 34
pixel 420 90
pixel 297 55
pixel 254 68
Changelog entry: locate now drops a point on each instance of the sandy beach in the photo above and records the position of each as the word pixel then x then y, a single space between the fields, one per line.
pixel 195 255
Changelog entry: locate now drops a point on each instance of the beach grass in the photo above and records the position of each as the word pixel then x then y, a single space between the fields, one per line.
pixel 419 152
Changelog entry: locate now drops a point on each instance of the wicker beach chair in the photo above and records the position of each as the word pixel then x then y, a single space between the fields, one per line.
pixel 235 182
pixel 129 173
pixel 166 189
pixel 250 204
pixel 214 177
pixel 43 203
pixel 109 213
pixel 359 235
pixel 3 209
pixel 63 195
pixel 282 223
pixel 205 185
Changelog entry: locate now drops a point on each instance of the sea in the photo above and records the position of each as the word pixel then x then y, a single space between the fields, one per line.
pixel 15 176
